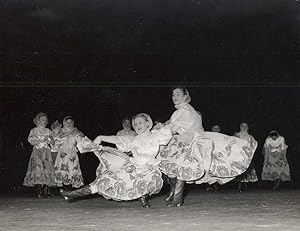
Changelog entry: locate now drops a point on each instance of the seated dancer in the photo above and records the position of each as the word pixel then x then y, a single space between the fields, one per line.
pixel 195 156
pixel 120 177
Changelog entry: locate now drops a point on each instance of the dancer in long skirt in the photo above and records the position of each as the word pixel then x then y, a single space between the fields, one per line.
pixel 120 177
pixel 250 174
pixel 67 167
pixel 276 166
pixel 40 167
pixel 195 156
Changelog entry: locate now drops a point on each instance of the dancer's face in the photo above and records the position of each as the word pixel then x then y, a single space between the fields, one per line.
pixel 126 124
pixel 43 121
pixel 244 127
pixel 274 137
pixel 140 124
pixel 69 124
pixel 178 96
pixel 216 128
pixel 57 130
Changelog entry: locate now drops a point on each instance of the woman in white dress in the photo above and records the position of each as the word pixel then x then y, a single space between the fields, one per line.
pixel 120 177
pixel 195 156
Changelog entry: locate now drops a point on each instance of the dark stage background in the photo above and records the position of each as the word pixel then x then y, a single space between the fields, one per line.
pixel 102 60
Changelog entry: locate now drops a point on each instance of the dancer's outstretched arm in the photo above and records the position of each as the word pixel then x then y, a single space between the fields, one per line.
pixel 108 139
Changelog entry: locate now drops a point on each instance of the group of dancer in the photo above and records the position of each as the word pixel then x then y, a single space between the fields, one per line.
pixel 54 161
pixel 275 166
pixel 178 151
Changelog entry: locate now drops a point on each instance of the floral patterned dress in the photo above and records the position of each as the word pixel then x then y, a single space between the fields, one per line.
pixel 40 167
pixel 120 177
pixel 67 166
pixel 250 174
pixel 200 157
pixel 275 162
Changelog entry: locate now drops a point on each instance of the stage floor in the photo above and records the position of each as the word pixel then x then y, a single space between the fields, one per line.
pixel 228 210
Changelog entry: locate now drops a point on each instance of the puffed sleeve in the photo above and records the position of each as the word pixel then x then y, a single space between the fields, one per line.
pixel 180 121
pixel 284 146
pixel 33 138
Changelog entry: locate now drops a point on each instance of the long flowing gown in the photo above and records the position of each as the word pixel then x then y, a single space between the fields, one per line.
pixel 200 157
pixel 275 162
pixel 40 167
pixel 67 166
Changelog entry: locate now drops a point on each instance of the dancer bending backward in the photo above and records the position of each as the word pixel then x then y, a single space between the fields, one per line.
pixel 120 177
pixel 195 156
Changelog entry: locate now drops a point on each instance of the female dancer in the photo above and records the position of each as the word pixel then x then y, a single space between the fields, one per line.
pixel 40 167
pixel 67 168
pixel 120 177
pixel 250 174
pixel 195 156
pixel 276 167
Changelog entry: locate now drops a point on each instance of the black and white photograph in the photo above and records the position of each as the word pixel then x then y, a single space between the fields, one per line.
pixel 149 115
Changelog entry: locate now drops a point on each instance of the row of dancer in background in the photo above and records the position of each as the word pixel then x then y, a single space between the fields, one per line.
pixel 190 155
pixel 275 166
pixel 54 160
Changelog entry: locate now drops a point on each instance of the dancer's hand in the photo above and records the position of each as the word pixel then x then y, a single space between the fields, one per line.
pixel 98 140
pixel 45 139
pixel 51 141
pixel 129 168
pixel 158 126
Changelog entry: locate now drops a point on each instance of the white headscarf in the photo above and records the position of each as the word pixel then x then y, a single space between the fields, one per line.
pixel 148 119
pixel 37 118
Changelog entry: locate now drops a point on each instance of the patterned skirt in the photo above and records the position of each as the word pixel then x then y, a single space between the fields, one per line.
pixel 119 179
pixel 67 169
pixel 213 158
pixel 276 167
pixel 40 168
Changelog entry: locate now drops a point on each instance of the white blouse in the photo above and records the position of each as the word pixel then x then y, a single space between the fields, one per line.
pixel 277 145
pixel 145 146
pixel 38 134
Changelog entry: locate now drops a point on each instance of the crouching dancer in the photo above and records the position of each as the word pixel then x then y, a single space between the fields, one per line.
pixel 120 177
